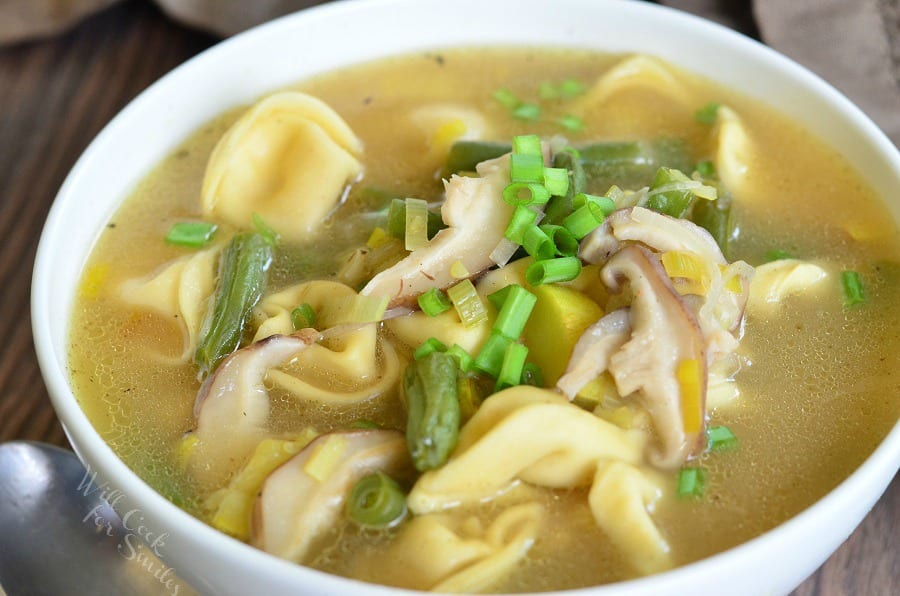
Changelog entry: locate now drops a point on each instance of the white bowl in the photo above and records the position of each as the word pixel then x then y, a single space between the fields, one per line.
pixel 330 36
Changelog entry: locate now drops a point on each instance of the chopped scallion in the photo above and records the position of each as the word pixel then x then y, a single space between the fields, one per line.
pixel 854 293
pixel 528 145
pixel 517 306
pixel 553 271
pixel 707 114
pixel 606 204
pixel 468 303
pixel 571 122
pixel 521 193
pixel 720 438
pixel 432 344
pixel 526 167
pixel 706 168
pixel 506 98
pixel 556 181
pixel 434 302
pixel 522 219
pixel 376 501
pixel 564 242
pixel 511 368
pixel 691 482
pixel 527 111
pixel 584 220
pixel 269 235
pixel 571 87
pixel 463 358
pixel 490 358
pixel 303 316
pixel 193 234
pixel 538 244
pixel 548 90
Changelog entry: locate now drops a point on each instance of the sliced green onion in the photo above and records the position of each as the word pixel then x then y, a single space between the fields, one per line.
pixel 854 293
pixel 707 114
pixel 525 167
pixel 584 220
pixel 538 244
pixel 528 145
pixel 434 302
pixel 706 168
pixel 777 254
pixel 498 298
pixel 606 204
pixel 303 316
pixel 720 438
pixel 571 87
pixel 527 111
pixel 517 306
pixel 522 219
pixel 416 220
pixel 547 90
pixel 564 242
pixel 691 482
pixel 521 193
pixel 532 375
pixel 269 235
pixel 193 234
pixel 556 181
pixel 468 303
pixel 376 501
pixel 506 98
pixel 553 271
pixel 432 344
pixel 463 358
pixel 490 358
pixel 511 369
pixel 571 122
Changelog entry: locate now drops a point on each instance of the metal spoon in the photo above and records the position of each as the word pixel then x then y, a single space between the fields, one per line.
pixel 58 536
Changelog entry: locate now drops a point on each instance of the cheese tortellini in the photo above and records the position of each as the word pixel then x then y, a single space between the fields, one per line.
pixel 288 158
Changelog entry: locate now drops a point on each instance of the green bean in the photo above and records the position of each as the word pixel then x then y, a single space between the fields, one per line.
pixel 631 163
pixel 715 217
pixel 559 208
pixel 376 501
pixel 465 155
pixel 432 401
pixel 242 279
pixel 673 202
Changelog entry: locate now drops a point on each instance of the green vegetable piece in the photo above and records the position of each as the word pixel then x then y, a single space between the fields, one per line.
pixel 430 345
pixel 632 164
pixel 303 316
pixel 513 363
pixel 465 155
pixel 434 302
pixel 706 168
pixel 691 482
pixel 528 145
pixel 506 98
pixel 269 235
pixel 376 501
pixel 396 223
pixel 571 123
pixel 527 111
pixel 463 358
pixel 553 271
pixel 720 438
pixel 672 202
pixel 571 87
pixel 490 358
pixel 192 234
pixel 432 401
pixel 469 398
pixel 559 208
pixel 715 217
pixel 514 312
pixel 777 254
pixel 526 167
pixel 242 279
pixel 538 244
pixel 708 113
pixel 854 292
pixel 564 242
pixel 532 375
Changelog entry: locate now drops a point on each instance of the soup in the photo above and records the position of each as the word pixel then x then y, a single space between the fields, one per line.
pixel 665 321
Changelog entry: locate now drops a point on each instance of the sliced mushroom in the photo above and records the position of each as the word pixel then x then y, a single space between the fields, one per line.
pixel 660 232
pixel 232 406
pixel 305 497
pixel 593 351
pixel 477 217
pixel 665 334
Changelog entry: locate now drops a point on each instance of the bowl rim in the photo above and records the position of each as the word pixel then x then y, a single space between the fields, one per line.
pixel 85 439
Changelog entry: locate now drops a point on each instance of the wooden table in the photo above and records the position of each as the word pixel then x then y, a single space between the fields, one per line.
pixel 56 95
